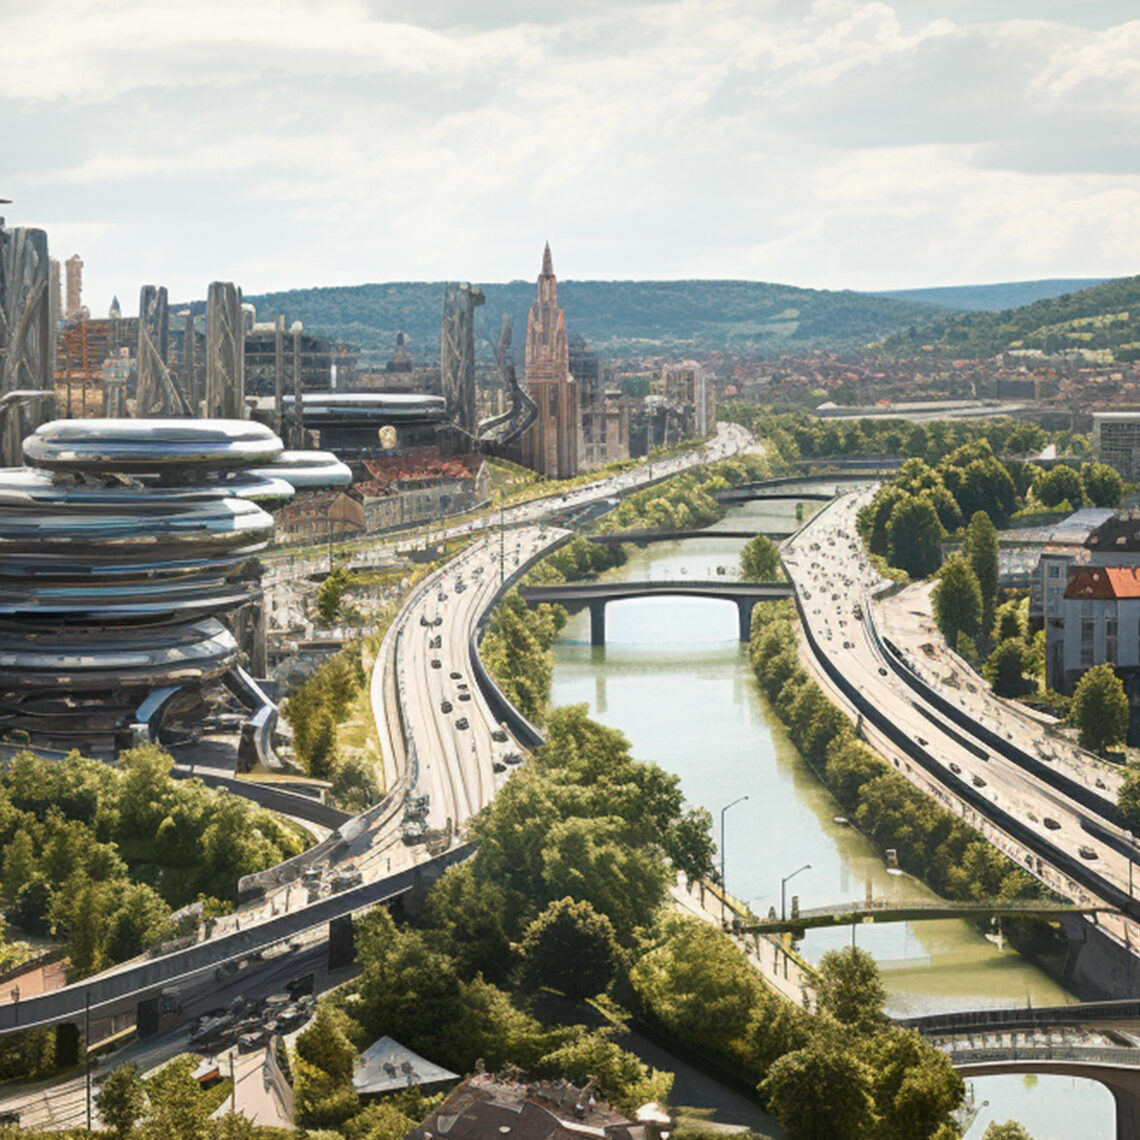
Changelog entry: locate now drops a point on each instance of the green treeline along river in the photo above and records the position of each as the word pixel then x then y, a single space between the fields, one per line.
pixel 675 680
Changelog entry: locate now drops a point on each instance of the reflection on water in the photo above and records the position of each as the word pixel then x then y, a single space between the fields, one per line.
pixel 675 680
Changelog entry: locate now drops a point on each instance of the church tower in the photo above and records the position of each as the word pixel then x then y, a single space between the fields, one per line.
pixel 551 444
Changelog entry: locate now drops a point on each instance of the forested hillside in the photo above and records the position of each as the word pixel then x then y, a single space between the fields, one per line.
pixel 1105 318
pixel 993 298
pixel 615 317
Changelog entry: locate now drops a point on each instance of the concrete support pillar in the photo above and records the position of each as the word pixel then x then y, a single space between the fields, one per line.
pixel 342 942
pixel 744 613
pixel 1127 1114
pixel 598 623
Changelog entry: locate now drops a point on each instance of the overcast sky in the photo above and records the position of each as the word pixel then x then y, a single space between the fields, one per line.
pixel 834 143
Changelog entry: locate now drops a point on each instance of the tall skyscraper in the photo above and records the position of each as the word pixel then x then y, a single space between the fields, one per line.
pixel 73 267
pixel 550 446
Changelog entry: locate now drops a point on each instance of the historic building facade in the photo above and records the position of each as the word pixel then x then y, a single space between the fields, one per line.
pixel 551 445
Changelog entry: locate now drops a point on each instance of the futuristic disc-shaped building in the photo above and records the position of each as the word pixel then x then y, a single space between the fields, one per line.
pixel 124 549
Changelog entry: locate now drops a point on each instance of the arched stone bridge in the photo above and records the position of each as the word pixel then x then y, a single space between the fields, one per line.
pixel 595 596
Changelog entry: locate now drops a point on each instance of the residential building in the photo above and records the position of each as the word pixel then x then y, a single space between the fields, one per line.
pixel 1101 625
pixel 1116 441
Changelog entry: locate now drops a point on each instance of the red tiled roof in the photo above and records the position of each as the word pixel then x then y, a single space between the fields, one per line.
pixel 1104 582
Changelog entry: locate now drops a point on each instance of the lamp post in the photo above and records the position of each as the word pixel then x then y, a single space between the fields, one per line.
pixel 723 888
pixel 783 885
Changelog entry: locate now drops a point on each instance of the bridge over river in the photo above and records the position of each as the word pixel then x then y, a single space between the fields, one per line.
pixel 576 596
pixel 847 914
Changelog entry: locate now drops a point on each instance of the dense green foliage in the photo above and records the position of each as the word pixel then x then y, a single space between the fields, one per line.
pixel 982 554
pixel 571 948
pixel 615 317
pixel 957 600
pixel 798 435
pixel 1100 708
pixel 516 652
pixel 1102 317
pixel 931 843
pixel 994 298
pixel 760 560
pixel 99 854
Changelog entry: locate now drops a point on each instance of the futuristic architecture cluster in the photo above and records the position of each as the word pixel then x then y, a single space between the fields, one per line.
pixel 124 544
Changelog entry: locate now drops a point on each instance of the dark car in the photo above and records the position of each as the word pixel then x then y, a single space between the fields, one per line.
pixel 1086 853
pixel 445 706
pixel 436 663
pixel 1051 824
pixel 454 675
pixel 462 723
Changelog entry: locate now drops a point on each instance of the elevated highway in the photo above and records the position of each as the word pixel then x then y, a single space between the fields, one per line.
pixel 1046 827
pixel 427 752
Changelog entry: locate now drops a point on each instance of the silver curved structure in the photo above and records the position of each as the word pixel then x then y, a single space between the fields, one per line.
pixel 304 470
pixel 122 549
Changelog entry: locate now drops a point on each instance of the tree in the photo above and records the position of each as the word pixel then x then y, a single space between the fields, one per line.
pixel 689 843
pixel 623 1080
pixel 1128 798
pixel 1100 708
pixel 175 1104
pixel 122 1100
pixel 1005 667
pixel 982 554
pixel 821 1092
pixel 957 600
pixel 760 560
pixel 849 988
pixel 913 535
pixel 325 1096
pixel 572 948
pixel 1103 485
pixel 1010 1130
pixel 915 1086
pixel 1057 485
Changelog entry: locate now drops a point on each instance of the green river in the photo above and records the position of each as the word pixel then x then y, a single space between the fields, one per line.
pixel 675 680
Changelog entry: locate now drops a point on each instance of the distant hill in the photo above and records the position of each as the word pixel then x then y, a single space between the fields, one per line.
pixel 615 317
pixel 1105 318
pixel 994 298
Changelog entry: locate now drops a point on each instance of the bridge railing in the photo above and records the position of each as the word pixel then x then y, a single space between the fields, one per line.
pixel 1087 1055
pixel 1042 1017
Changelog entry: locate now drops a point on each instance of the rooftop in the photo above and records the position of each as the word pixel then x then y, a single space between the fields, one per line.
pixel 1104 583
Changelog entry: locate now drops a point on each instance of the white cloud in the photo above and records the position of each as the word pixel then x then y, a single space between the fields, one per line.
pixel 834 142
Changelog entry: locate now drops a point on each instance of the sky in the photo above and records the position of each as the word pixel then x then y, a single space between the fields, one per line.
pixel 826 143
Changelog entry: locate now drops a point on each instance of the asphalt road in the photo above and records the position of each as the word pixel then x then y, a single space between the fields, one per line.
pixel 832 575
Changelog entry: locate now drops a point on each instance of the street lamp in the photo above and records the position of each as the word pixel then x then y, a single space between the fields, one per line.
pixel 723 888
pixel 783 884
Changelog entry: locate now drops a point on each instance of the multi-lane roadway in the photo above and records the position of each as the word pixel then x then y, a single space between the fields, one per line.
pixel 1039 825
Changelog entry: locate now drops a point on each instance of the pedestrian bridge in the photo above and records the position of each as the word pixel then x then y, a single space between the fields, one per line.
pixel 848 914
pixel 642 537
pixel 595 596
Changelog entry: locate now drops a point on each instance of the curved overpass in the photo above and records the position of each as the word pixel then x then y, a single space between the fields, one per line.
pixel 425 752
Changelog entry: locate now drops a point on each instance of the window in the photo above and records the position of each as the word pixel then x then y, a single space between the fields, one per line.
pixel 1110 641
pixel 1088 627
pixel 1054 570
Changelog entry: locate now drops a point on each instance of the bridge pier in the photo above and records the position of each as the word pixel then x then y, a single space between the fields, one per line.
pixel 342 942
pixel 744 616
pixel 598 623
pixel 1127 1112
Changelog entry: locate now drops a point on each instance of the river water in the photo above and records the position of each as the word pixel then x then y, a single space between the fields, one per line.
pixel 675 680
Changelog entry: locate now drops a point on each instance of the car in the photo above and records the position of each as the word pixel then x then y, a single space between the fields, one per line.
pixel 463 695
pixel 498 766
pixel 499 735
pixel 441 597
pixel 1086 853
pixel 882 671
pixel 955 768
pixel 454 675
pixel 1052 824
pixel 445 706
pixel 436 663
pixel 923 741
pixel 513 757
pixel 438 620
pixel 977 781
pixel 1032 817
pixel 461 686
pixel 424 620
pixel 462 723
